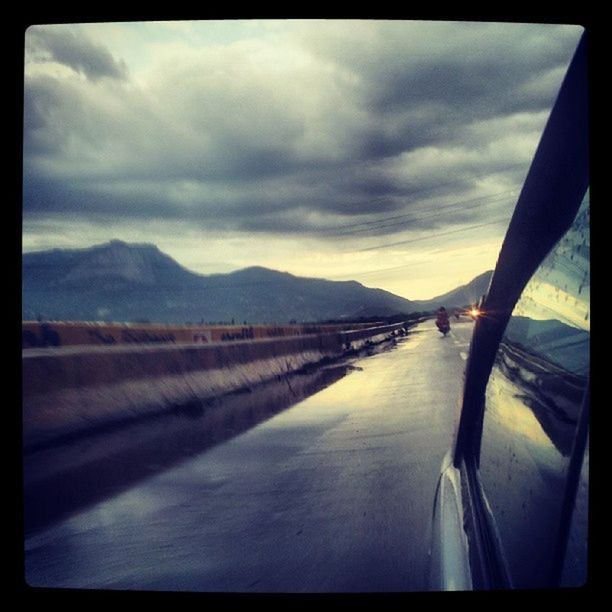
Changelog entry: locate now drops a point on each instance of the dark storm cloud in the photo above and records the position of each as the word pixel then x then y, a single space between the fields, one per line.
pixel 452 64
pixel 366 129
pixel 394 132
pixel 426 81
pixel 478 89
pixel 41 134
pixel 65 46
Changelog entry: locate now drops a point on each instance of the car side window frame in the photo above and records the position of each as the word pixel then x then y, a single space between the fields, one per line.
pixel 551 196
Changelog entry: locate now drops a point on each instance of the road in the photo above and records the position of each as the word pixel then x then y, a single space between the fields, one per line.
pixel 333 494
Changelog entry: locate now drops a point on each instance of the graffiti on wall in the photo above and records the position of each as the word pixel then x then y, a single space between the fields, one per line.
pixel 245 333
pixel 44 334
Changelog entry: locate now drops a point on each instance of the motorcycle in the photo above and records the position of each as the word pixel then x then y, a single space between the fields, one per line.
pixel 443 327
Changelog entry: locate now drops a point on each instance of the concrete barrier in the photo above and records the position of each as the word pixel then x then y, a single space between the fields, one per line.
pixel 40 334
pixel 71 390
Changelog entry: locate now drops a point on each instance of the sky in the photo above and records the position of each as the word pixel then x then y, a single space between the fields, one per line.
pixel 387 152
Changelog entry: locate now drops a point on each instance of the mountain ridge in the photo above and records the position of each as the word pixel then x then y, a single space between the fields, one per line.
pixel 123 281
pixel 467 294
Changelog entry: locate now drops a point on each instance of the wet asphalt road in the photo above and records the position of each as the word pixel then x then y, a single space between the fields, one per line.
pixel 334 494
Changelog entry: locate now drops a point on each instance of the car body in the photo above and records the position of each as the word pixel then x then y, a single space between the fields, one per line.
pixel 511 507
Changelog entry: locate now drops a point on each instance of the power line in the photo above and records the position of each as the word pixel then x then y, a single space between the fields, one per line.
pixel 429 237
pixel 437 186
pixel 439 212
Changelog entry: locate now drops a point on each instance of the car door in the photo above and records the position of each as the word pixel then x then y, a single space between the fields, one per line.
pixel 511 508
pixel 529 453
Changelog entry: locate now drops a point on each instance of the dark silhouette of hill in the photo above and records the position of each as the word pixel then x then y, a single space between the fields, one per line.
pixel 118 281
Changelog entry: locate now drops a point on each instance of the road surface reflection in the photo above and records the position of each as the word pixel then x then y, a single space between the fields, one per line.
pixel 67 477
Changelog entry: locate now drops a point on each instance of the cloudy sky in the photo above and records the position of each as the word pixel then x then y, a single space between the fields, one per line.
pixel 387 152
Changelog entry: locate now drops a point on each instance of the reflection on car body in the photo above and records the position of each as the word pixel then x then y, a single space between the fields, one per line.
pixel 512 500
pixel 552 394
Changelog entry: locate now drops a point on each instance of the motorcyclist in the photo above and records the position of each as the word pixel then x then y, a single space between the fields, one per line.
pixel 442 320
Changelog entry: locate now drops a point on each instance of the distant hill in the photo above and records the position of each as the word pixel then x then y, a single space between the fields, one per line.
pixel 118 281
pixel 460 297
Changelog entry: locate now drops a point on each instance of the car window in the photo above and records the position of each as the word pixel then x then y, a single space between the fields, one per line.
pixel 532 405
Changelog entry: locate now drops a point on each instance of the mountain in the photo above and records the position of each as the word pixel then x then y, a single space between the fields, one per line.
pixel 113 265
pixel 460 297
pixel 118 281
